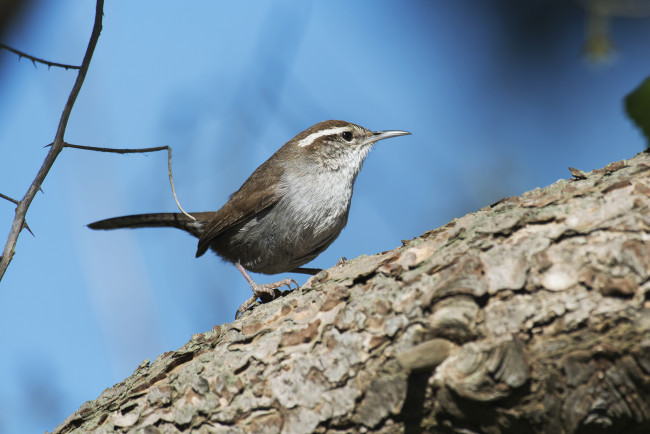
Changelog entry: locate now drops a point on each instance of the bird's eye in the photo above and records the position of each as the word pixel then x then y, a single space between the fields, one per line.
pixel 347 135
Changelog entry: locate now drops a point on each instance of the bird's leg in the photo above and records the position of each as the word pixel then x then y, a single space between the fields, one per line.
pixel 260 290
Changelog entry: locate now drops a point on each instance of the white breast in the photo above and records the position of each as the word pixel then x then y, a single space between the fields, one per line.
pixel 309 216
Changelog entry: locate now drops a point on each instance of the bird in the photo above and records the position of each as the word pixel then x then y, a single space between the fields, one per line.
pixel 290 209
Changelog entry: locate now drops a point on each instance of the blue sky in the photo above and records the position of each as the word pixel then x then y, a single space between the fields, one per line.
pixel 497 96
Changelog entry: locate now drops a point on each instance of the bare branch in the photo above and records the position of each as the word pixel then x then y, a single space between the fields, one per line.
pixel 9 199
pixel 139 151
pixel 57 145
pixel 115 150
pixel 17 202
pixel 35 60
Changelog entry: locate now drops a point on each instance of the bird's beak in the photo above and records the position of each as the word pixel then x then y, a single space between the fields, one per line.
pixel 381 135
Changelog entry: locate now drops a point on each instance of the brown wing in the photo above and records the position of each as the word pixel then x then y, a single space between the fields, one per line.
pixel 245 203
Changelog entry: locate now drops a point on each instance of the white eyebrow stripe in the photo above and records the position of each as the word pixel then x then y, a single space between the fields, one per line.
pixel 313 136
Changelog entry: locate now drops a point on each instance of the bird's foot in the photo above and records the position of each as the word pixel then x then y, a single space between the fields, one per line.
pixel 265 292
pixel 245 305
pixel 268 291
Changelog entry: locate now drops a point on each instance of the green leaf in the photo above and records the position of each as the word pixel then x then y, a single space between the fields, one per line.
pixel 637 106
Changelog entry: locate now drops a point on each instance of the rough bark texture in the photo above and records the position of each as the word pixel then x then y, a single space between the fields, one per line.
pixel 530 315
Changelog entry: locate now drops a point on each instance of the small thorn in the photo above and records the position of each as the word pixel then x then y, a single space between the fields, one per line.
pixel 26 226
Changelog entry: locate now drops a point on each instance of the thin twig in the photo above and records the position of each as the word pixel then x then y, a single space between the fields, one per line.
pixel 17 202
pixel 139 151
pixel 57 145
pixel 9 199
pixel 35 59
pixel 116 150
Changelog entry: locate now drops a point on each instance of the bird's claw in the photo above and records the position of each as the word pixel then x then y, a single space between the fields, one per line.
pixel 245 305
pixel 266 292
pixel 269 288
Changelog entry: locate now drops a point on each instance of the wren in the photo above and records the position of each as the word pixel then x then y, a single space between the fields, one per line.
pixel 287 212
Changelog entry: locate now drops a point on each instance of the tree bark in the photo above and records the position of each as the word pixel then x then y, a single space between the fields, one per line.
pixel 530 315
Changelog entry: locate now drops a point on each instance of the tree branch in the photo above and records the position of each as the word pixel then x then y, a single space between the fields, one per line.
pixel 12 200
pixel 527 316
pixel 9 199
pixel 57 145
pixel 35 59
pixel 139 151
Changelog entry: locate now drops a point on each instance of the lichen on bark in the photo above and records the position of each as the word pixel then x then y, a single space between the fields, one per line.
pixel 530 315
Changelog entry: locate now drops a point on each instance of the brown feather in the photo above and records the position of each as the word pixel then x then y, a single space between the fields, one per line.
pixel 245 203
pixel 168 219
